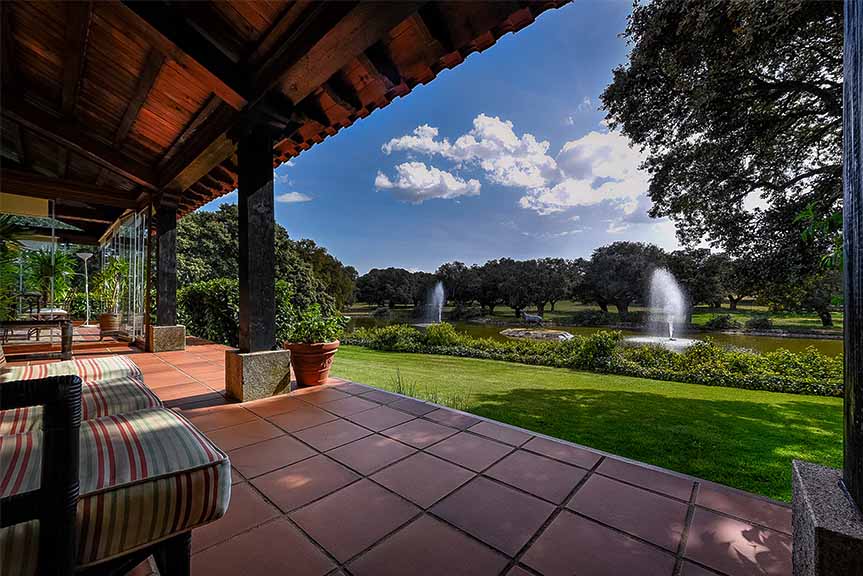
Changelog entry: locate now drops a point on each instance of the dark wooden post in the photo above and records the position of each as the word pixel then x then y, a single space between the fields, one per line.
pixel 257 241
pixel 166 267
pixel 853 238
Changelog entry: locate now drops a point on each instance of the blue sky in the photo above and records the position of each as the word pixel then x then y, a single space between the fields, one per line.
pixel 505 155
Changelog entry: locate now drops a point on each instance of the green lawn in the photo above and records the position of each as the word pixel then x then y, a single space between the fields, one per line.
pixel 737 437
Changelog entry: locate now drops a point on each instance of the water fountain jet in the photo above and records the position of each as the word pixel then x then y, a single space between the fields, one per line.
pixel 667 309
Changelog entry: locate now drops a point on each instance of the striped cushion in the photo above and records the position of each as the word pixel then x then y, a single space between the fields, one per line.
pixel 89 369
pixel 119 395
pixel 144 477
pixel 2 357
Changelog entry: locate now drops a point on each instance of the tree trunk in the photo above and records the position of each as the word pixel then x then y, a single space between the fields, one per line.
pixel 603 306
pixel 622 307
pixel 517 312
pixel 540 308
pixel 826 318
pixel 491 309
pixel 733 302
pixel 552 305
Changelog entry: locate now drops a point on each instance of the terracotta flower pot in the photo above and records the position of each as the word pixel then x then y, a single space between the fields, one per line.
pixel 312 362
pixel 109 324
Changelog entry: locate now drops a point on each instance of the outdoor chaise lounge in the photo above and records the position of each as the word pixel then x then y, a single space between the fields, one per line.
pixel 95 475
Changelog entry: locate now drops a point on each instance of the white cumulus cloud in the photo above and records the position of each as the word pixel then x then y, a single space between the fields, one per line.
pixel 415 182
pixel 292 197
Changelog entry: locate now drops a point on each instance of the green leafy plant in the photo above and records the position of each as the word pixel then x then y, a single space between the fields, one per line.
pixel 312 327
pixel 110 284
pixel 11 233
pixel 42 270
pixel 722 322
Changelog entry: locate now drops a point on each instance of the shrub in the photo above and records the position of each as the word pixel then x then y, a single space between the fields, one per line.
pixel 211 309
pixel 722 322
pixel 442 334
pixel 705 362
pixel 759 323
pixel 313 327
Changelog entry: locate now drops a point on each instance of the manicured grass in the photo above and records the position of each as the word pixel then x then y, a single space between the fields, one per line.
pixel 741 438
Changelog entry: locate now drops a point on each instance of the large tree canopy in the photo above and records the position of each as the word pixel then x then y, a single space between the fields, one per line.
pixel 738 106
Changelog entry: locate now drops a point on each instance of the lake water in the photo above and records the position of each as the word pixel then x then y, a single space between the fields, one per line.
pixel 758 343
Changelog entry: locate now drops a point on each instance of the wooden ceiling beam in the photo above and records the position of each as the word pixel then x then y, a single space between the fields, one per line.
pixel 146 80
pixel 181 42
pixel 342 93
pixel 78 17
pixel 377 59
pixel 37 186
pixel 8 41
pixel 360 29
pixel 85 214
pixel 77 138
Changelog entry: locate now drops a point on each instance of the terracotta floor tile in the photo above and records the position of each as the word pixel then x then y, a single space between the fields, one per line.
pixel 543 477
pixel 332 434
pixel 500 433
pixel 211 398
pixel 419 433
pixel 215 417
pixel 269 455
pixel 246 510
pixel 668 484
pixel 563 452
pixel 189 390
pixel 352 388
pixel 167 378
pixel 298 484
pixel 244 434
pixel 352 519
pixel 452 418
pixel 657 519
pixel 380 418
pixel 411 406
pixel 304 417
pixel 423 479
pixel 349 405
pixel 381 396
pixel 574 543
pixel 428 547
pixel 735 547
pixel 497 515
pixel 236 477
pixel 747 507
pixel 518 571
pixel 275 405
pixel 274 548
pixel 322 396
pixel 692 569
pixel 471 451
pixel 371 453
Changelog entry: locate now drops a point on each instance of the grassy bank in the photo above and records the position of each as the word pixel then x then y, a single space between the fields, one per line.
pixel 742 438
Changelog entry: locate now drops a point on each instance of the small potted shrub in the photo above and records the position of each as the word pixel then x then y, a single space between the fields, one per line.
pixel 109 288
pixel 313 340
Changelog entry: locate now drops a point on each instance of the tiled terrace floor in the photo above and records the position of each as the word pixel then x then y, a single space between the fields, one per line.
pixel 347 479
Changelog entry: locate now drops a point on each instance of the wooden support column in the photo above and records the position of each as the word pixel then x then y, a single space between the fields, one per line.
pixel 853 239
pixel 257 241
pixel 166 265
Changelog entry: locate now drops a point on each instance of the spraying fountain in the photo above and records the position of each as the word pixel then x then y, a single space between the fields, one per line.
pixel 433 308
pixel 434 304
pixel 667 309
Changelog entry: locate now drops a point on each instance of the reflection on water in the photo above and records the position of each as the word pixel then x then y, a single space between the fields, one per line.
pixel 758 343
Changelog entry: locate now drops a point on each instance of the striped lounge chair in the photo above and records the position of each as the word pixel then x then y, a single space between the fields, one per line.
pixel 98 496
pixel 111 385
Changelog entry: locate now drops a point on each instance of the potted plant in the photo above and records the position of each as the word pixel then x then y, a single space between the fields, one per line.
pixel 109 288
pixel 313 340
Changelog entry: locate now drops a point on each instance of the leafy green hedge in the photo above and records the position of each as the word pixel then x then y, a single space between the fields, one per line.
pixel 809 372
pixel 211 309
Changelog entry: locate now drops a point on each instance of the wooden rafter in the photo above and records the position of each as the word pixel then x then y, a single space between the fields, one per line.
pixel 146 80
pixel 342 93
pixel 78 17
pixel 8 41
pixel 77 138
pixel 38 186
pixel 184 44
pixel 377 59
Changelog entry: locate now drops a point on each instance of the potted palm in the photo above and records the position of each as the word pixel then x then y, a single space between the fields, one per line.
pixel 313 340
pixel 109 287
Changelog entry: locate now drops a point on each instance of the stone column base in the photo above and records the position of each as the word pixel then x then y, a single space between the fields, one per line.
pixel 828 527
pixel 256 375
pixel 166 338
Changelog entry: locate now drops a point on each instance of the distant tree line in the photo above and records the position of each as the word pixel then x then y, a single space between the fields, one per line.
pixel 615 275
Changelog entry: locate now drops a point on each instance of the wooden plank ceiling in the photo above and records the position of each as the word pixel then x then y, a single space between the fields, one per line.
pixel 107 106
